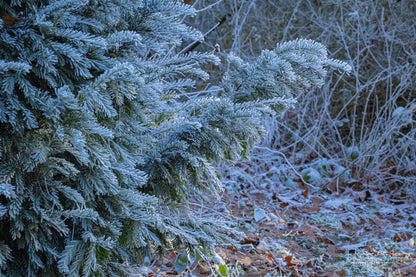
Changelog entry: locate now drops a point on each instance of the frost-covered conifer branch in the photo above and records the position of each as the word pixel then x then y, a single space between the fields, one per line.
pixel 283 72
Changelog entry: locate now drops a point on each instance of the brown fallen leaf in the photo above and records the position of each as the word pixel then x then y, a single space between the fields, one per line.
pixel 403 236
pixel 370 250
pixel 305 192
pixel 171 272
pixel 325 240
pixel 254 241
pixel 169 264
pixel 388 169
pixel 308 231
pixel 284 205
pixel 246 261
pixel 290 262
pixel 249 171
pixel 10 20
pixel 292 224
pixel 309 265
pixel 336 185
pixel 397 238
pixel 341 272
pixel 316 202
pixel 202 270
pixel 333 252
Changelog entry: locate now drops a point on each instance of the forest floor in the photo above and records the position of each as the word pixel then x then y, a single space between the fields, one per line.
pixel 340 229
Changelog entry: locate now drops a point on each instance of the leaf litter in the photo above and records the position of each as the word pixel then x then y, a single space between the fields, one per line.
pixel 343 228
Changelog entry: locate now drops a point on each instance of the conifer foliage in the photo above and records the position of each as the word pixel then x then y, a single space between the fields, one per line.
pixel 102 139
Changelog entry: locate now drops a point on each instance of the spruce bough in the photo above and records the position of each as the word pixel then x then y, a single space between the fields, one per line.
pixel 102 140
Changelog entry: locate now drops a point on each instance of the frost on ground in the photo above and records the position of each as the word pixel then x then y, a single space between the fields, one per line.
pixel 295 229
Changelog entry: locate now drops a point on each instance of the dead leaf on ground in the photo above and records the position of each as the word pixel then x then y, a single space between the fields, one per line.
pixel 305 193
pixel 333 252
pixel 341 272
pixel 246 261
pixel 202 270
pixel 309 264
pixel 308 231
pixel 254 241
pixel 398 237
pixel 10 20
pixel 316 202
pixel 336 185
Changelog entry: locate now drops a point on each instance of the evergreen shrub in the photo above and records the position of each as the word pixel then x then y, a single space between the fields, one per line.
pixel 103 138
